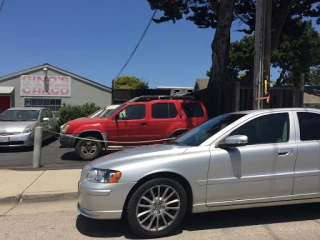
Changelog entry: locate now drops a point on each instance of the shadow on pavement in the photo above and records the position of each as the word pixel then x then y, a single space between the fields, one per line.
pixel 70 156
pixel 25 149
pixel 206 221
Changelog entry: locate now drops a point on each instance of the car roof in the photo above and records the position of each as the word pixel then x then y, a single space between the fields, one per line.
pixel 27 108
pixel 270 110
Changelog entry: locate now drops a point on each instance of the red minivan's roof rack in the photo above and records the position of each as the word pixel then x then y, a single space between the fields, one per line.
pixel 160 97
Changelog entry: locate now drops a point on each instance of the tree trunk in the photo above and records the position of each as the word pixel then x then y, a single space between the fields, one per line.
pixel 279 22
pixel 221 42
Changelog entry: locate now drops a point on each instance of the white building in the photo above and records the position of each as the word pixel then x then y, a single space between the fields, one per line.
pixel 50 87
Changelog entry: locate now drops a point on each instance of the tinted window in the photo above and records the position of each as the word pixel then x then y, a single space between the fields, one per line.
pixel 133 112
pixel 206 130
pixel 164 110
pixel 192 109
pixel 43 115
pixel 273 128
pixel 49 114
pixel 309 126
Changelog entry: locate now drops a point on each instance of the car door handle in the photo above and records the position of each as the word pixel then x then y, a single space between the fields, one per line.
pixel 143 123
pixel 285 152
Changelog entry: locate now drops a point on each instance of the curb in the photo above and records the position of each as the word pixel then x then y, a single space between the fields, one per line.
pixel 10 199
pixel 33 198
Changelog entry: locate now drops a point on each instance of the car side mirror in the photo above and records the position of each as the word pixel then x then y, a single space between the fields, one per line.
pixel 234 141
pixel 116 117
pixel 45 119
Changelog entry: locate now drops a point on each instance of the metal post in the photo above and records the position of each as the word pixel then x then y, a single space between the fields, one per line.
pixel 37 147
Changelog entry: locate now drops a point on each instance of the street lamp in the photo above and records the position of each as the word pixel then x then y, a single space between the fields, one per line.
pixel 46 80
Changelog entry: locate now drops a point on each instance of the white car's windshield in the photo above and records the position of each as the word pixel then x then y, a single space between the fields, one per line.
pixel 206 130
pixel 96 113
pixel 108 114
pixel 19 115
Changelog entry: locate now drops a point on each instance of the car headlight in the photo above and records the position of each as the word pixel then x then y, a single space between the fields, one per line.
pixel 64 128
pixel 103 176
pixel 29 129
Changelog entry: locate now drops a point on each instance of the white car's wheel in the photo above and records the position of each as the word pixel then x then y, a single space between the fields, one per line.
pixel 156 208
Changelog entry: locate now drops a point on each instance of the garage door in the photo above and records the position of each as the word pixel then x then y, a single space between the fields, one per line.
pixel 4 103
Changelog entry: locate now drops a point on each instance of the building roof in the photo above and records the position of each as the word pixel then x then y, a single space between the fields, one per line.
pixel 168 87
pixel 6 90
pixel 201 83
pixel 58 70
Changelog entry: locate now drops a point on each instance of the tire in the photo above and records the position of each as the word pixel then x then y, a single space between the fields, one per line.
pixel 83 149
pixel 159 210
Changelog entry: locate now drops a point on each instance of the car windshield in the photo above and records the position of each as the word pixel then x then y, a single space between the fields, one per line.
pixel 108 114
pixel 19 115
pixel 96 113
pixel 206 130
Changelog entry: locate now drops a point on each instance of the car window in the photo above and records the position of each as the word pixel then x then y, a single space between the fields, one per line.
pixel 309 126
pixel 206 130
pixel 43 115
pixel 110 113
pixel 164 110
pixel 192 110
pixel 133 112
pixel 49 114
pixel 272 128
pixel 19 115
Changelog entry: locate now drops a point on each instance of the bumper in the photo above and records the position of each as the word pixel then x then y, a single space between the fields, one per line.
pixel 102 201
pixel 68 140
pixel 18 140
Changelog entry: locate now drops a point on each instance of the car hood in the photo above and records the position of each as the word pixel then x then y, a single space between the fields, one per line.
pixel 137 154
pixel 83 120
pixel 13 126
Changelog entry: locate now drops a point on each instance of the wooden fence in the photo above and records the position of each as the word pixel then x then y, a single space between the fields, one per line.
pixel 230 97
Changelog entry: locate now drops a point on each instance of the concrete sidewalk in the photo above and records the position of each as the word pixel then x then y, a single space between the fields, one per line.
pixel 38 186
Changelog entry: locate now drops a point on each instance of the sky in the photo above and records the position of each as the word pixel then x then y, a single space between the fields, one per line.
pixel 94 39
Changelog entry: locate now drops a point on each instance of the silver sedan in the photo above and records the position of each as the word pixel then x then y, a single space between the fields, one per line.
pixel 17 126
pixel 237 160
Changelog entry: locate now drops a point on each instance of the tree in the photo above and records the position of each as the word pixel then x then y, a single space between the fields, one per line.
pixel 130 82
pixel 298 51
pixel 206 14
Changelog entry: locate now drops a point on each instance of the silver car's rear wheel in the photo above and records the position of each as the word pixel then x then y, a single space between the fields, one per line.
pixel 156 208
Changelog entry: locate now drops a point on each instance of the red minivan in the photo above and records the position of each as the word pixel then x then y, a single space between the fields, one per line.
pixel 138 121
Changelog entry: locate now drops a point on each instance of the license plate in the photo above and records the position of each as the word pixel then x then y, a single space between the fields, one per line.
pixel 4 139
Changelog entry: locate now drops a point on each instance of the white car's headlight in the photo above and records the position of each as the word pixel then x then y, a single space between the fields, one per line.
pixel 64 128
pixel 103 176
pixel 29 129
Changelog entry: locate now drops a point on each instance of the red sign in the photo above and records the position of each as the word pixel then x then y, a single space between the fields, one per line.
pixel 32 85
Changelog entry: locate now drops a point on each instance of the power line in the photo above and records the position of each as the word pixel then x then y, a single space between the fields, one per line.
pixel 135 49
pixel 1 5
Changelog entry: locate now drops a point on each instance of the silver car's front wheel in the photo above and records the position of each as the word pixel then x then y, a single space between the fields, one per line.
pixel 157 208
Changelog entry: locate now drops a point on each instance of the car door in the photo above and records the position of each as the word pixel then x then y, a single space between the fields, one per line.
pixel 164 120
pixel 261 171
pixel 307 169
pixel 132 123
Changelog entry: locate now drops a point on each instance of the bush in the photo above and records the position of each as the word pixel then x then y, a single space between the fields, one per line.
pixel 68 112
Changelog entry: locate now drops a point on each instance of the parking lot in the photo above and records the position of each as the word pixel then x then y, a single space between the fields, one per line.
pixel 53 157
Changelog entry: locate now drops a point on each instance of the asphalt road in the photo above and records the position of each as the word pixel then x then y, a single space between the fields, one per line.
pixel 59 220
pixel 53 157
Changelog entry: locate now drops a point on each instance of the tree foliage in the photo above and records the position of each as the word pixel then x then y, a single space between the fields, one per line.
pixel 298 51
pixel 205 14
pixel 130 82
pixel 71 112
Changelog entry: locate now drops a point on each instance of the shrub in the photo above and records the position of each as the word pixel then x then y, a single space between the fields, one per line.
pixel 68 112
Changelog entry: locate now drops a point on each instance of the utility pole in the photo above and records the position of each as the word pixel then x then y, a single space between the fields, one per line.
pixel 259 54
pixel 267 50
